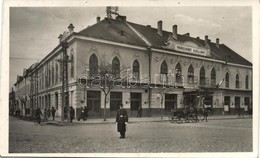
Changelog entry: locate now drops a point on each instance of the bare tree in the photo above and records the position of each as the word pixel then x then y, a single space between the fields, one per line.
pixel 107 79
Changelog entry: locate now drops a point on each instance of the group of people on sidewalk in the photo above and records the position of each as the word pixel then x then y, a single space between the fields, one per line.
pixel 46 114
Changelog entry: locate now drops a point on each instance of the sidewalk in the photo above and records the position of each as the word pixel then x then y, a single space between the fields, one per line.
pixel 134 120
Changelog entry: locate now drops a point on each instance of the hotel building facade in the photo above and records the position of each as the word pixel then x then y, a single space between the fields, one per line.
pixel 196 72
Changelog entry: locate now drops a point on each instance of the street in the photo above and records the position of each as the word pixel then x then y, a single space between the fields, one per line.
pixel 229 135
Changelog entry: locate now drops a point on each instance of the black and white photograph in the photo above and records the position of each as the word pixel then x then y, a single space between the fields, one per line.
pixel 131 80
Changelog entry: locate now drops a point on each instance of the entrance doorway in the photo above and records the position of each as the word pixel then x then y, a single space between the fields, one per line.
pixel 170 102
pixel 136 101
pixel 93 102
pixel 237 102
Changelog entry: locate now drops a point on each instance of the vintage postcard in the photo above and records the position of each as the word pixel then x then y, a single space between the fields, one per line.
pixel 130 79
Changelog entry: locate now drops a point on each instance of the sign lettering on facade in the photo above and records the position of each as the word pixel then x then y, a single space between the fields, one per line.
pixel 190 50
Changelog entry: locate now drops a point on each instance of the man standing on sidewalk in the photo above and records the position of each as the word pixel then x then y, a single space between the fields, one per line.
pixel 72 114
pixel 121 121
pixel 53 111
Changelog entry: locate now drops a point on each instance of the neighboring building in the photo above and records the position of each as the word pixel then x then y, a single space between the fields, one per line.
pixel 196 71
pixel 12 102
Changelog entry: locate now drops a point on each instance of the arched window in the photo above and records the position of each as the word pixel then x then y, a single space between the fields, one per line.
pixel 190 74
pixel 227 80
pixel 72 65
pixel 116 66
pixel 57 73
pixel 178 73
pixel 246 82
pixel 237 81
pixel 52 74
pixel 202 76
pixel 93 65
pixel 136 69
pixel 49 77
pixel 213 77
pixel 164 68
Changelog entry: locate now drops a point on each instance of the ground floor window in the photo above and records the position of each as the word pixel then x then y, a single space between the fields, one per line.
pixel 170 102
pixel 227 104
pixel 208 102
pixel 246 101
pixel 226 100
pixel 189 100
pixel 136 100
pixel 115 100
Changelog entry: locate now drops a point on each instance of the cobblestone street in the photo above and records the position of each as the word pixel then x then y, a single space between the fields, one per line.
pixel 229 135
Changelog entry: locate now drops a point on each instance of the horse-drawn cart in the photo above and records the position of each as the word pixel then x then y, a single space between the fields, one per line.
pixel 188 115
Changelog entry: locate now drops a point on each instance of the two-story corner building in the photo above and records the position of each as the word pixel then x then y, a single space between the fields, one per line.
pixel 196 72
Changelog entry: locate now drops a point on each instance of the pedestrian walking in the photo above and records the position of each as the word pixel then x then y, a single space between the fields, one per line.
pixel 45 115
pixel 81 115
pixel 72 114
pixel 85 113
pixel 121 121
pixel 139 112
pixel 53 111
pixel 49 112
pixel 38 114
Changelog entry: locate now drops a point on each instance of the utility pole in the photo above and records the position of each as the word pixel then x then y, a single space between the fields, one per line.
pixel 64 89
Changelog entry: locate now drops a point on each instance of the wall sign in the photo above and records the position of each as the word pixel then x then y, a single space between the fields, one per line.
pixel 191 50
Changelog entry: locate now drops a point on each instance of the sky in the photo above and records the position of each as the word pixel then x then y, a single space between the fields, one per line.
pixel 34 31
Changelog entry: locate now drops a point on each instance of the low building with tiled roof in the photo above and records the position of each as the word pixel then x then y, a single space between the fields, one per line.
pixel 182 71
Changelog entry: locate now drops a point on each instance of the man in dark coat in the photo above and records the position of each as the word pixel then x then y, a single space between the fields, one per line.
pixel 53 111
pixel 121 120
pixel 72 114
pixel 81 115
pixel 85 113
pixel 38 114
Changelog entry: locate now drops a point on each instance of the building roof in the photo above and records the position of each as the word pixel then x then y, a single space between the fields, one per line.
pixel 113 30
pixel 118 30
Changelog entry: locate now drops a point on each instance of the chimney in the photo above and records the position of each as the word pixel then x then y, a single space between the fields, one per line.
pixel 71 27
pixel 174 31
pixel 159 28
pixel 217 42
pixel 60 37
pixel 206 40
pixel 187 34
pixel 98 19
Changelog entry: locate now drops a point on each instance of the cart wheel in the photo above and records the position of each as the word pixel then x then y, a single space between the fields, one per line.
pixel 187 119
pixel 171 119
pixel 194 119
pixel 179 120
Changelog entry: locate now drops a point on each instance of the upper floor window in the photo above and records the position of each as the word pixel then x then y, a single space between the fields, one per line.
pixel 190 74
pixel 164 68
pixel 178 73
pixel 57 73
pixel 52 74
pixel 72 65
pixel 93 65
pixel 213 77
pixel 202 76
pixel 246 82
pixel 136 69
pixel 116 66
pixel 227 80
pixel 237 81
